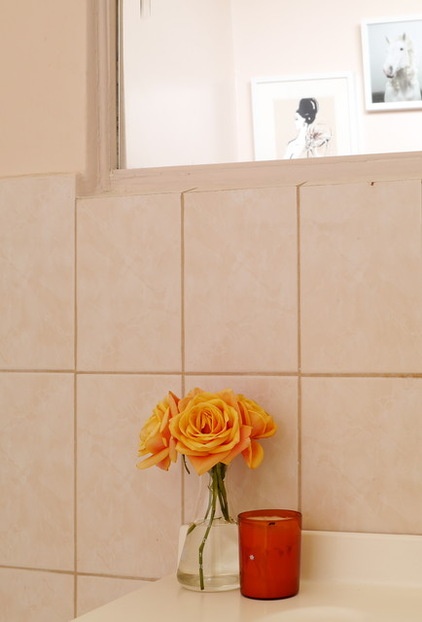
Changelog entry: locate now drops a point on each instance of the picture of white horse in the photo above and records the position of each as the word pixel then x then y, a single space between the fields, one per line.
pixel 392 63
pixel 401 71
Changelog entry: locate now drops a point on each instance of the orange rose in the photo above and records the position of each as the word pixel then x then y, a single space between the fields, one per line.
pixel 263 426
pixel 209 429
pixel 155 437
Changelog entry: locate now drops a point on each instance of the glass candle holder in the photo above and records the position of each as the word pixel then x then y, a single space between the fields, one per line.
pixel 269 553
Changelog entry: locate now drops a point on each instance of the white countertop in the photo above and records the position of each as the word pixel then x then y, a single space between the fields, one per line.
pixel 344 578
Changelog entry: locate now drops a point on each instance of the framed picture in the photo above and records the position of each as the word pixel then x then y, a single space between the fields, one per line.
pixel 303 116
pixel 392 63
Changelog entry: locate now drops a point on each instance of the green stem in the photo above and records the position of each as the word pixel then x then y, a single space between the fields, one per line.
pixel 212 504
pixel 221 489
pixel 217 490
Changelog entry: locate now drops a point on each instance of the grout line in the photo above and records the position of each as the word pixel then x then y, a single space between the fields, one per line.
pixel 184 373
pixel 75 417
pixel 33 569
pixel 116 576
pixel 420 215
pixel 75 289
pixel 71 573
pixel 37 371
pixel 360 375
pixel 75 497
pixel 182 290
pixel 182 339
pixel 299 353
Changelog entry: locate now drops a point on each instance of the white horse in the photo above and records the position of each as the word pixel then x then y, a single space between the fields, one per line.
pixel 401 71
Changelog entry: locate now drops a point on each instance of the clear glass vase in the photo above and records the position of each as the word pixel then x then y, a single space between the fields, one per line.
pixel 210 556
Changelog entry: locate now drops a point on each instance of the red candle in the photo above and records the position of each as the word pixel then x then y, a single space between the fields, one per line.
pixel 269 553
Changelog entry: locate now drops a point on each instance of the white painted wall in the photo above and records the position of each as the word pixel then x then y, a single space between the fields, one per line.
pixel 178 83
pixel 270 38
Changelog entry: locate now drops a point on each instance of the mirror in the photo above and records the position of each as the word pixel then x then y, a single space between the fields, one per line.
pixel 190 72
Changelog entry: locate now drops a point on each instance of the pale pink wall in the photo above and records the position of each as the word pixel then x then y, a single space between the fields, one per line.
pixel 310 303
pixel 44 65
pixel 273 38
pixel 178 83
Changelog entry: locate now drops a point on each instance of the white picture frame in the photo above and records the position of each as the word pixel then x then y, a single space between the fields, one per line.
pixel 275 101
pixel 374 35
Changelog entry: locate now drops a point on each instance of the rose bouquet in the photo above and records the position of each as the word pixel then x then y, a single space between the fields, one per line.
pixel 208 430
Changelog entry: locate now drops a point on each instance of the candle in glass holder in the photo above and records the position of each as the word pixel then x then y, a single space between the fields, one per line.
pixel 269 553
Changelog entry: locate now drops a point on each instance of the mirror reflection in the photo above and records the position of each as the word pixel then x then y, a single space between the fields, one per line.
pixel 187 70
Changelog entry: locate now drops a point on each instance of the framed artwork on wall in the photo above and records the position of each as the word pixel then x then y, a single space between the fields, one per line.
pixel 303 116
pixel 392 63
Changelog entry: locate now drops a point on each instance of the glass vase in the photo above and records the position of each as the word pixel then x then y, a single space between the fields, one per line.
pixel 209 560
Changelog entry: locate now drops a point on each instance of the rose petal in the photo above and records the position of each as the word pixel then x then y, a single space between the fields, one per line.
pixel 154 459
pixel 253 455
pixel 243 444
pixel 202 465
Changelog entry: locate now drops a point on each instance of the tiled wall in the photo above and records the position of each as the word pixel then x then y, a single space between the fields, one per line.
pixel 309 302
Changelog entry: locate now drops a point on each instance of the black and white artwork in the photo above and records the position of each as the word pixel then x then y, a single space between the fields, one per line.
pixel 305 116
pixel 392 62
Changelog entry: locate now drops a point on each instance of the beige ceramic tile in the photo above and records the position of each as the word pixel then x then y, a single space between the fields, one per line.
pixel 31 596
pixel 94 592
pixel 240 281
pixel 361 278
pixel 275 482
pixel 37 470
pixel 128 284
pixel 361 454
pixel 37 272
pixel 128 520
